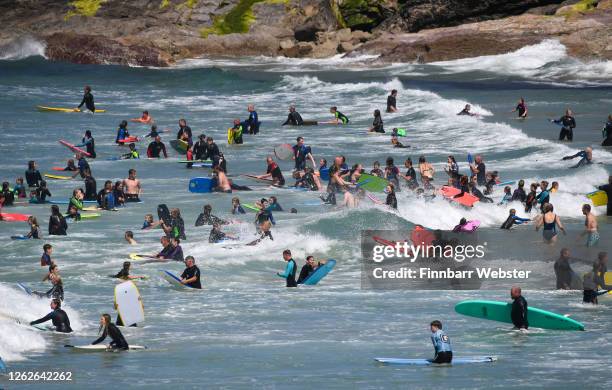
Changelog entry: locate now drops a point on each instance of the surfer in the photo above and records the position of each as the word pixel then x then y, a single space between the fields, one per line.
pixel 132 187
pixel 176 228
pixel 7 194
pixel 519 193
pixel 236 133
pixel 41 192
pixel 82 165
pixel 308 269
pixel 290 269
pixel 589 286
pixel 144 118
pixel 106 197
pixel 132 154
pixel 518 313
pixel 149 222
pixel 452 170
pixel 392 173
pixel 377 124
pixel 294 118
pixel 70 167
pixel 590 226
pixel 206 217
pixel 191 275
pixel 607 188
pixel 376 171
pixel 607 132
pixel 265 231
pixel 108 329
pixel 236 206
pixel 601 266
pixel 264 214
pixel 216 235
pixel 391 200
pixel 512 220
pixel 252 123
pixel 441 343
pixel 568 124
pixel 89 143
pixel 184 132
pixel 88 100
pixel 586 157
pixel 34 228
pixel 392 101
pixel 156 147
pixel 77 199
pixel 549 221
pixel 57 289
pixel 273 171
pixel 301 153
pixel 507 196
pixel 32 175
pixel 521 108
pixel 467 111
pixel 198 150
pixel 73 213
pixel 57 223
pixel 223 184
pixel 427 173
pixel 45 259
pixel 91 188
pixel 479 169
pixel 213 153
pixel 410 176
pixel 125 271
pixel 122 132
pixel 129 237
pixel 58 317
pixel 396 143
pixel 339 118
pixel 563 270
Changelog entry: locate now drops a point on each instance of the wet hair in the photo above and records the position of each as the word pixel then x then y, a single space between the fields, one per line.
pixel 126 264
pixel 131 170
pixel 376 112
pixel 123 124
pixel 31 164
pixel 129 234
pixel 393 91
pixel 586 207
pixel 287 252
pixel 309 257
pixel 436 323
pixel 57 302
pixel 189 258
pixel 422 159
pixel 88 133
pixel 389 161
pixel 47 247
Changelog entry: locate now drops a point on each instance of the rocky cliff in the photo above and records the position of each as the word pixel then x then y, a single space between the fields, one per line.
pixel 160 32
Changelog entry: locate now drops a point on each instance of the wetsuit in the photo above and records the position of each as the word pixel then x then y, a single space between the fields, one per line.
pixel 252 123
pixel 185 131
pixel 277 175
pixel 564 273
pixel 513 220
pixel 33 177
pixel 155 149
pixel 166 252
pixel 56 292
pixel 530 201
pixel 583 161
pixel 465 111
pixel 122 133
pixel 178 228
pixel 300 153
pixel 412 183
pixel 477 193
pixel 543 197
pixel 391 103
pixel 90 144
pixel 481 176
pixel 88 101
pixel 83 165
pixel 391 201
pixel 289 273
pixel 442 347
pixel 199 150
pixel 519 194
pixel 9 197
pixel 378 125
pixel 237 210
pixel 521 108
pixel 568 123
pixel 608 189
pixel 392 173
pixel 34 232
pixel 45 260
pixel 106 200
pixel 216 236
pixel 237 134
pixel 57 225
pixel 294 119
pixel 263 216
pixel 123 274
pixel 59 318
pixel 212 153
pixel 132 155
pixel 118 341
pixel 189 273
pixel 305 272
pixel 91 192
pixel 204 219
pixel 607 133
pixel 518 314
pixel 343 118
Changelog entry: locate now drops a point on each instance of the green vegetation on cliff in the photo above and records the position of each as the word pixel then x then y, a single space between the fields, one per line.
pixel 84 8
pixel 237 20
pixel 361 14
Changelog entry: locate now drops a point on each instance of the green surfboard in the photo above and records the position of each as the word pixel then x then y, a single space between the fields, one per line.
pixel 500 311
pixel 372 183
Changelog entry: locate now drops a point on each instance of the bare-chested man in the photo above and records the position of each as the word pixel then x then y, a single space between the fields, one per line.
pixel 223 184
pixel 132 187
pixel 590 226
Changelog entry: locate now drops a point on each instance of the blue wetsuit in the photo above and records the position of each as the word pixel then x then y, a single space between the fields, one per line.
pixel 442 346
pixel 252 123
pixel 583 159
pixel 289 273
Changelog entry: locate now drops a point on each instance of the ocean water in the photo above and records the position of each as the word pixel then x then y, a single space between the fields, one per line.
pixel 245 329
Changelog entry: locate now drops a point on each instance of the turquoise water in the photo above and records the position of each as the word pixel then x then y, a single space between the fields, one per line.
pixel 245 329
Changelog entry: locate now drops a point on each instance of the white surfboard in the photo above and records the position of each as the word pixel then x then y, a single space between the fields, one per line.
pixel 100 347
pixel 129 303
pixel 173 279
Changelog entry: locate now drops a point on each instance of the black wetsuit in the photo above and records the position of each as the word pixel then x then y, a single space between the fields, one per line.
pixel 189 273
pixel 305 272
pixel 9 197
pixel 199 150
pixel 59 318
pixel 91 192
pixel 564 272
pixel 118 341
pixel 377 125
pixel 90 144
pixel 607 134
pixel 277 175
pixel 608 190
pixel 57 225
pixel 519 195
pixel 481 176
pixel 209 219
pixel 291 276
pixel 568 123
pixel 294 119
pixel 88 101
pixel 33 177
pixel 155 149
pixel 391 201
pixel 519 313
pixel 41 194
pixel 178 228
pixel 391 102
pixel 182 131
pixel 216 236
pixel 521 108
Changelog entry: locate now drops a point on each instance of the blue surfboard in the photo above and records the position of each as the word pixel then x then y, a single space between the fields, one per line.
pixel 25 289
pixel 506 183
pixel 173 279
pixel 201 185
pixel 20 237
pixel 425 362
pixel 470 159
pixel 320 273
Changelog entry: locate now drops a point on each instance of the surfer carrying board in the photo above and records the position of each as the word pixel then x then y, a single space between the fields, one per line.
pixel 191 275
pixel 58 317
pixel 441 343
pixel 308 269
pixel 519 309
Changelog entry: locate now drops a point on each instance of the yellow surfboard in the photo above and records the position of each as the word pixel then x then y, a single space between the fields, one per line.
pixel 57 177
pixel 230 135
pixel 599 198
pixel 59 109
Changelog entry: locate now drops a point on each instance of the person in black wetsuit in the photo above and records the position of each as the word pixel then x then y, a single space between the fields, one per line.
pixel 155 148
pixel 42 192
pixel 294 118
pixel 466 111
pixel 191 275
pixel 568 124
pixel 58 317
pixel 377 124
pixel 88 100
pixel 607 132
pixel 290 269
pixel 586 157
pixel 206 217
pixel 607 188
pixel 391 198
pixel 563 270
pixel 32 175
pixel 512 220
pixel 251 125
pixel 392 101
pixel 199 149
pixel 89 143
pixel 519 193
pixel 82 164
pixel 57 290
pixel 125 271
pixel 184 132
pixel 213 153
pixel 7 194
pixel 57 223
pixel 479 169
pixel 521 108
pixel 108 329
pixel 91 191
pixel 519 309
pixel 216 235
pixel 308 269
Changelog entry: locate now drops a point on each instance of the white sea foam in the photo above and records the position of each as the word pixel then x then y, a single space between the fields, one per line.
pixel 22 48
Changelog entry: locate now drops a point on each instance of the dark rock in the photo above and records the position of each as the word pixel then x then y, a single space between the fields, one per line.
pixel 364 14
pixel 308 32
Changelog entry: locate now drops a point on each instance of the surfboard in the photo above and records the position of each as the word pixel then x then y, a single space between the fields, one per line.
pixel 599 198
pixel 179 145
pixel 283 152
pixel 250 206
pixel 506 183
pixel 173 279
pixel 470 226
pixel 320 273
pixel 24 288
pixel 195 161
pixel 255 178
pixel 101 347
pixel 372 183
pixel 20 237
pixel 62 169
pixel 230 135
pixel 163 213
pixel 374 199
pixel 73 148
pixel 129 140
pixel 201 185
pixel 57 177
pixel 426 362
pixel 59 109
pixel 87 215
pixel 129 303
pixel 500 311
pixel 466 199
pixel 13 217
pixel 470 159
pixel 68 201
pixel 324 174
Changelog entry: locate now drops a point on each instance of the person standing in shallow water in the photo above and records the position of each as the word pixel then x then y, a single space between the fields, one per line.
pixel 290 269
pixel 392 101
